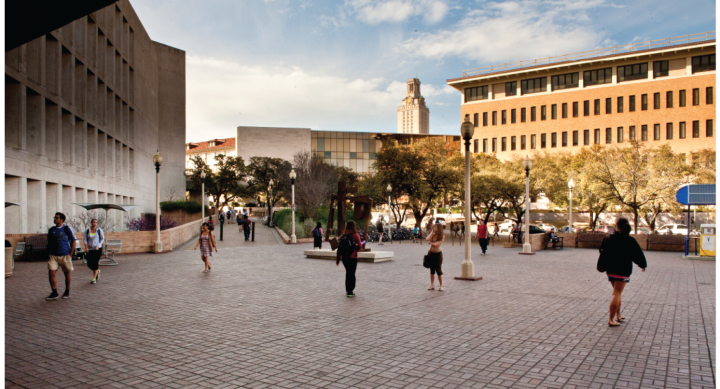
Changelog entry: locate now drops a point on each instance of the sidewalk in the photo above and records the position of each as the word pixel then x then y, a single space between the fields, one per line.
pixel 264 236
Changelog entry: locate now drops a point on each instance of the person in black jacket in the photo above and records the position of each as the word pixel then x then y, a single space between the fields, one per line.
pixel 618 251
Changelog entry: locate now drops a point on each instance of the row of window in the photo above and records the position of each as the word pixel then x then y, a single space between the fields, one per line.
pixel 596 107
pixel 597 135
pixel 632 72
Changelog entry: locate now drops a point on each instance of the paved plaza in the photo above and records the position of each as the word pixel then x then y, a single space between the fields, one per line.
pixel 266 317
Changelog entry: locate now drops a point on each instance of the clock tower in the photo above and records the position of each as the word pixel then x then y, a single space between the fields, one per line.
pixel 413 115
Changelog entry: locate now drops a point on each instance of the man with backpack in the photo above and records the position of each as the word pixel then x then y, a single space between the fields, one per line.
pixel 347 252
pixel 61 246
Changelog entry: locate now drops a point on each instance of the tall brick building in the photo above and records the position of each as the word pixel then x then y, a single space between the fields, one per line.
pixel 657 92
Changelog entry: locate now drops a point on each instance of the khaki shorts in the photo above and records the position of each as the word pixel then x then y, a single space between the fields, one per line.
pixel 60 261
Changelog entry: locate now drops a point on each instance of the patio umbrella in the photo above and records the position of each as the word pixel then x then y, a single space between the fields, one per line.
pixel 10 204
pixel 107 207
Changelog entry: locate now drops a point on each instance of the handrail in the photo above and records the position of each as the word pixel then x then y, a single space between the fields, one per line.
pixel 630 47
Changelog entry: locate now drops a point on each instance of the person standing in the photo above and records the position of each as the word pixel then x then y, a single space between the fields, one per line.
pixel 436 238
pixel 207 244
pixel 61 246
pixel 462 228
pixel 380 230
pixel 618 252
pixel 93 240
pixel 317 234
pixel 496 231
pixel 482 235
pixel 415 234
pixel 211 223
pixel 239 222
pixel 347 250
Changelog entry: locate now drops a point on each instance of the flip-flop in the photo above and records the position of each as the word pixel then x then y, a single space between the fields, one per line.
pixel 619 319
pixel 433 288
pixel 614 325
pixel 440 289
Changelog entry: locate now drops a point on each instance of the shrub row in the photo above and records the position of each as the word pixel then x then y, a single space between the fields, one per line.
pixel 187 206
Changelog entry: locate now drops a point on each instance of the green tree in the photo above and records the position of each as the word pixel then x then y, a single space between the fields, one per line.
pixel 263 169
pixel 225 184
pixel 703 166
pixel 513 187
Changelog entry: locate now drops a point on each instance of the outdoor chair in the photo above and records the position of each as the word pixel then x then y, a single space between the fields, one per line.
pixel 19 252
pixel 79 251
pixel 112 246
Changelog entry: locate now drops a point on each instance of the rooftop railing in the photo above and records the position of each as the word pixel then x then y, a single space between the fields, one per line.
pixel 627 48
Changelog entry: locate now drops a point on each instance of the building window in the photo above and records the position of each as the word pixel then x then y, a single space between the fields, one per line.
pixel 656 132
pixel 553 111
pixel 597 106
pixel 543 112
pixel 533 114
pixel 476 93
pixel 696 96
pixel 533 85
pixel 620 135
pixel 683 99
pixel 564 139
pixel 513 116
pixel 586 137
pixel 703 63
pixel 494 145
pixel 522 142
pixel 644 102
pixel 532 142
pixel 543 138
pixel 632 103
pixel 656 100
pixel 669 99
pixel 503 117
pixel 565 81
pixel 597 136
pixel 608 105
pixel 511 88
pixel 512 143
pixel 586 108
pixel 682 130
pixel 553 139
pixel 485 145
pixel 620 104
pixel 522 115
pixel 608 136
pixel 661 69
pixel 637 71
pixel 494 118
pixel 709 95
pixel 575 109
pixel 475 146
pixel 632 133
pixel 575 138
pixel 597 77
pixel 696 129
pixel 564 111
pixel 709 128
pixel 669 131
pixel 644 132
pixel 485 120
pixel 475 119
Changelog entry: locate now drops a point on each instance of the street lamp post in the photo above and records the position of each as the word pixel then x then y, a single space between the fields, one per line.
pixel 389 192
pixel 293 176
pixel 202 177
pixel 527 248
pixel 270 205
pixel 467 269
pixel 571 186
pixel 157 160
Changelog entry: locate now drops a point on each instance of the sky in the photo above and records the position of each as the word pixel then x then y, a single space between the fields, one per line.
pixel 342 65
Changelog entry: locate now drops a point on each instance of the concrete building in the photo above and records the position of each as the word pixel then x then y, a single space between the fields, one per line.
pixel 86 107
pixel 657 92
pixel 273 142
pixel 413 115
pixel 208 151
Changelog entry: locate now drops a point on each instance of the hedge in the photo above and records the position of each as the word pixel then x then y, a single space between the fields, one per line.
pixel 187 206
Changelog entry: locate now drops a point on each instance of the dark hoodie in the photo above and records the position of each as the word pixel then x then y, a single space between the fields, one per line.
pixel 618 251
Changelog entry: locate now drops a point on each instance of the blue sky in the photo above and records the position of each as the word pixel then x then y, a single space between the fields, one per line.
pixel 342 65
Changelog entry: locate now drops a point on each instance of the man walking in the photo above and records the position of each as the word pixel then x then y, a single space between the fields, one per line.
pixel 246 228
pixel 61 246
pixel 482 236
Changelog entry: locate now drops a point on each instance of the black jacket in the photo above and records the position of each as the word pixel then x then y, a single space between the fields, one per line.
pixel 618 251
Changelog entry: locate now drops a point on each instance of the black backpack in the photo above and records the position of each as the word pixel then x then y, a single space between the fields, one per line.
pixel 346 246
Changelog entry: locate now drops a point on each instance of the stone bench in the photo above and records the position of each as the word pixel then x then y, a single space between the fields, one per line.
pixel 363 256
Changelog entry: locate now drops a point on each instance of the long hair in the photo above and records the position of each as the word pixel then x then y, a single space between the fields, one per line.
pixel 318 226
pixel 350 228
pixel 441 233
pixel 623 226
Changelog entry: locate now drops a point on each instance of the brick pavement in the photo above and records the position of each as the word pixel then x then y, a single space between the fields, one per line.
pixel 266 317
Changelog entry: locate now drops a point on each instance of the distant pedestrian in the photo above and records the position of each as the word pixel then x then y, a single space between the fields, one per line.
pixel 211 223
pixel 61 246
pixel 436 238
pixel 618 252
pixel 416 230
pixel 496 231
pixel 462 228
pixel 239 222
pixel 246 227
pixel 94 238
pixel 317 234
pixel 380 230
pixel 207 244
pixel 482 236
pixel 250 211
pixel 347 252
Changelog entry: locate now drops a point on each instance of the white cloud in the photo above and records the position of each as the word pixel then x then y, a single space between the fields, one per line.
pixel 222 95
pixel 510 31
pixel 379 11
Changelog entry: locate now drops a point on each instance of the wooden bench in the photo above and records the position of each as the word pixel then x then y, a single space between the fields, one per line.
pixel 666 240
pixel 554 245
pixel 593 238
pixel 35 245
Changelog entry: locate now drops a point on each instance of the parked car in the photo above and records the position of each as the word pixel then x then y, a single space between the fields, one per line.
pixel 546 227
pixel 643 231
pixel 507 225
pixel 605 229
pixel 672 229
pixel 440 220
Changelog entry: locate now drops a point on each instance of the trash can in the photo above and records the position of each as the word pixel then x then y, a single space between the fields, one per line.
pixel 707 239
pixel 8 261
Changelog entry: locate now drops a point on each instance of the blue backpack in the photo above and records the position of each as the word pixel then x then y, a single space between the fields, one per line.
pixel 316 232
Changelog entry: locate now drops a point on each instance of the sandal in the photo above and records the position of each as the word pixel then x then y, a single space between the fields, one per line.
pixel 204 271
pixel 440 289
pixel 431 288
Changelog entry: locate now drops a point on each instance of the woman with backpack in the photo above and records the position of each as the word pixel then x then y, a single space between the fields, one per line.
pixel 347 250
pixel 317 234
pixel 93 240
pixel 618 252
pixel 206 243
pixel 435 257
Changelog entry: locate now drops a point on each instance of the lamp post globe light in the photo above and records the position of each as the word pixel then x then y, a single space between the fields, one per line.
pixel 202 194
pixel 293 176
pixel 571 186
pixel 527 165
pixel 467 269
pixel 389 192
pixel 270 205
pixel 157 161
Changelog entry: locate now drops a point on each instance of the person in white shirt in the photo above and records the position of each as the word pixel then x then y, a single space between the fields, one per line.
pixel 94 239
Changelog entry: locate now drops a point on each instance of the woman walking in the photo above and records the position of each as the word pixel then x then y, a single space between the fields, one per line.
pixel 347 250
pixel 436 238
pixel 206 243
pixel 93 240
pixel 482 235
pixel 317 234
pixel 618 252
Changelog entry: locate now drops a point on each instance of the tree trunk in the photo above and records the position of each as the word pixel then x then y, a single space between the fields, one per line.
pixel 635 212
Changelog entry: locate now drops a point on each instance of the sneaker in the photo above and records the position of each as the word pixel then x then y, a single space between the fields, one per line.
pixel 93 281
pixel 66 295
pixel 53 296
pixel 351 295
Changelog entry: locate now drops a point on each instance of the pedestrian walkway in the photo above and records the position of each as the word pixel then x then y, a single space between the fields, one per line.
pixel 270 318
pixel 264 236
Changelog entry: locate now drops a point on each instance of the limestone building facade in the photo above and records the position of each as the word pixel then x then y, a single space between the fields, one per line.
pixel 413 116
pixel 659 92
pixel 86 108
